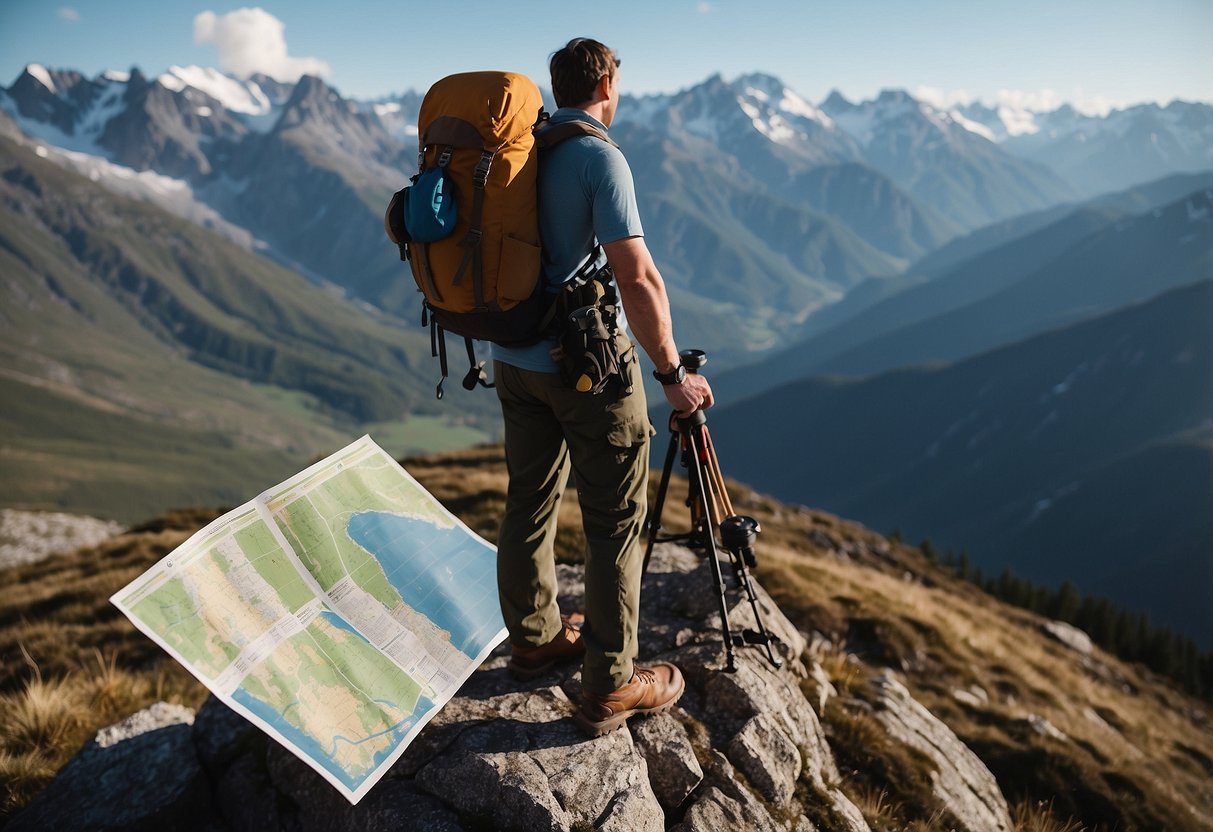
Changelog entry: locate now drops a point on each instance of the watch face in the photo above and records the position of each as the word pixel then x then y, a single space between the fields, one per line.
pixel 675 376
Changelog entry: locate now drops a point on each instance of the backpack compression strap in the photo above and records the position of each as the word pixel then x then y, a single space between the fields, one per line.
pixel 471 242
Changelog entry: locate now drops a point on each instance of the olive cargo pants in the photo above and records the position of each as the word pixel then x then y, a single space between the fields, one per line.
pixel 549 428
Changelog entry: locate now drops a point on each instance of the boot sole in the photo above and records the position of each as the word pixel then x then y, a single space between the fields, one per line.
pixel 613 723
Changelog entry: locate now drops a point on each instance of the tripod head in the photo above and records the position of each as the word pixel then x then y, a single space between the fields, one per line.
pixel 693 360
pixel 739 533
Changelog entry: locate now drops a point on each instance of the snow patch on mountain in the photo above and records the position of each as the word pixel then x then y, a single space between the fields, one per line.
pixel 38 71
pixel 972 126
pixel 244 97
pixel 777 112
pixel 771 92
pixel 643 110
pixel 399 120
pixel 85 132
pixel 859 123
pixel 116 75
pixel 173 195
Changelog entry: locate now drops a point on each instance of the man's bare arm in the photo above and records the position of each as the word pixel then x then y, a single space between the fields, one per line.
pixel 648 309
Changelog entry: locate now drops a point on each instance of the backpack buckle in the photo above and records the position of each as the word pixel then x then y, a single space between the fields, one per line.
pixel 481 175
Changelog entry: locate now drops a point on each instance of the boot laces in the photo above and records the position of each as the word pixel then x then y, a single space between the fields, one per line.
pixel 646 676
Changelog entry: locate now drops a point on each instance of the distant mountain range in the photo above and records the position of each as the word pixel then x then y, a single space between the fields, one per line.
pixel 762 207
pixel 1081 454
pixel 1103 153
pixel 1008 281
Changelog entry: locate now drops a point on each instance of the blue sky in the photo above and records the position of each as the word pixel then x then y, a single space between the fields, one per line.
pixel 1111 51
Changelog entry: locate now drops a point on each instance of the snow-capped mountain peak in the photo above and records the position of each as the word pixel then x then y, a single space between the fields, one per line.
pixel 245 97
pixel 896 110
pixel 40 74
pixel 782 104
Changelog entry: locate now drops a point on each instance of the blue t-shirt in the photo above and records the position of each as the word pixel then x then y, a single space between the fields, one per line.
pixel 586 193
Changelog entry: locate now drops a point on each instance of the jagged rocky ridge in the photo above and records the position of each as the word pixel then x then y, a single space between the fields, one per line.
pixel 740 751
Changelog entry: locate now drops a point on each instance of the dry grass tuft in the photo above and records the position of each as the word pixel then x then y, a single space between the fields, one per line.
pixel 1038 816
pixel 41 716
pixel 23 776
pixel 46 721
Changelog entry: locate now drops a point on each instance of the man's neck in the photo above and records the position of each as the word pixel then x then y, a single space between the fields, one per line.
pixel 564 113
pixel 596 110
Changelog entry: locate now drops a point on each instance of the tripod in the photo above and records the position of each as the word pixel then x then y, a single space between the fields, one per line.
pixel 711 509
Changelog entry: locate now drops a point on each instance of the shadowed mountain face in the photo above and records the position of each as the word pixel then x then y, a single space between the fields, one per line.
pixel 1083 454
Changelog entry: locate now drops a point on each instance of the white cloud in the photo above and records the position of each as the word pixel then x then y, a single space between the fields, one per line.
pixel 251 41
pixel 69 14
pixel 704 8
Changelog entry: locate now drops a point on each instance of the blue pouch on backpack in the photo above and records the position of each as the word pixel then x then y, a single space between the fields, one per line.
pixel 429 206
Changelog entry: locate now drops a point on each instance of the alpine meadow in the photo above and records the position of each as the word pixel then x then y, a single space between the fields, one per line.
pixel 961 346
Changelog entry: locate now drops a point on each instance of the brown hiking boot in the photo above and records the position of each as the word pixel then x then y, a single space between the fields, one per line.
pixel 528 662
pixel 652 690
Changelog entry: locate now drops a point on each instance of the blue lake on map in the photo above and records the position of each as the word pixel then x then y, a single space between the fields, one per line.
pixel 446 575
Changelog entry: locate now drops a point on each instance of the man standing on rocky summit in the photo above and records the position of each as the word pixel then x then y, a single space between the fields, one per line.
pixel 586 193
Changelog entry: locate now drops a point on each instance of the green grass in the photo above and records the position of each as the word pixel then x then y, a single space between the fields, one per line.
pixel 66 453
pixel 426 434
pixel 61 454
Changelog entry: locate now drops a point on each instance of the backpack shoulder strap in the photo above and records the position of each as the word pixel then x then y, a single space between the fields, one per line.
pixel 549 135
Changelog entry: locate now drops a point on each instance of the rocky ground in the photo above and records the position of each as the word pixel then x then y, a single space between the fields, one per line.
pixel 742 750
pixel 30 536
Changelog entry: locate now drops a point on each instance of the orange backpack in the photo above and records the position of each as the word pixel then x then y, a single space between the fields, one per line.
pixel 481 275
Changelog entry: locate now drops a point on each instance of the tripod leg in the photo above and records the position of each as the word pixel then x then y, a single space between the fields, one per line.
pixel 655 512
pixel 717 477
pixel 764 634
pixel 720 499
pixel 695 469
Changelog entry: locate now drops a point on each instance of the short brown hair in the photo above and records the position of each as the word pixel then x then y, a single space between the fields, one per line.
pixel 576 69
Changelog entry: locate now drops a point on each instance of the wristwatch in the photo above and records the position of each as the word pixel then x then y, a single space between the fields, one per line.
pixel 674 376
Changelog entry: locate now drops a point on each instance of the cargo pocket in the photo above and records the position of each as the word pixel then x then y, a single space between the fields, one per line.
pixel 518 271
pixel 629 416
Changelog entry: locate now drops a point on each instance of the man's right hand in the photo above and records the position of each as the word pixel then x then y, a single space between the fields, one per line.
pixel 693 394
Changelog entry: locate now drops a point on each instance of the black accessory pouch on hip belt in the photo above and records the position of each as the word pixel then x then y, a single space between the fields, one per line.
pixel 587 349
